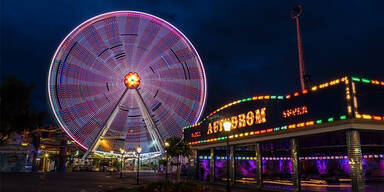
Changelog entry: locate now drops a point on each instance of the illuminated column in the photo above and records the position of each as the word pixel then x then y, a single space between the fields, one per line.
pixel 295 165
pixel 259 164
pixel 232 170
pixel 212 165
pixel 355 161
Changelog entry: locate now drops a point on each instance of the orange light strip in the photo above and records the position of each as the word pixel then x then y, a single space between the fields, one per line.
pixel 256 133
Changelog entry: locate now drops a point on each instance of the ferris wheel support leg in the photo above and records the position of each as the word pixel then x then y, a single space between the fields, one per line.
pixel 106 127
pixel 151 126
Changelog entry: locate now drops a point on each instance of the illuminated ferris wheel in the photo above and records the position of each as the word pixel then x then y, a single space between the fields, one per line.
pixel 124 79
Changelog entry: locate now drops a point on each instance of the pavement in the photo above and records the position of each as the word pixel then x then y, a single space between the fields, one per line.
pixel 72 181
pixel 100 181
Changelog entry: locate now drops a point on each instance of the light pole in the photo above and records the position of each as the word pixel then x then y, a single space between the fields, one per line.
pixel 110 168
pixel 138 150
pixel 122 151
pixel 227 129
pixel 45 157
pixel 166 160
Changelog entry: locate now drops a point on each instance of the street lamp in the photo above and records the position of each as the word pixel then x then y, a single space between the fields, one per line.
pixel 166 160
pixel 111 161
pixel 227 129
pixel 138 150
pixel 122 151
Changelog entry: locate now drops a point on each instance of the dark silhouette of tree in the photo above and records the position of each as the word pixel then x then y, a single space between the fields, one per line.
pixel 16 114
pixel 178 148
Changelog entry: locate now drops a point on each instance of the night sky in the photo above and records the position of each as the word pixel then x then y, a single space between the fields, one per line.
pixel 248 48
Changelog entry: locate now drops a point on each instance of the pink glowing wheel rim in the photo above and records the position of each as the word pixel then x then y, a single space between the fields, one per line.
pixel 87 77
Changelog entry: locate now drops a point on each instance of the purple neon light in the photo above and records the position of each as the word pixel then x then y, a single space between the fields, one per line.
pixel 86 75
pixel 204 169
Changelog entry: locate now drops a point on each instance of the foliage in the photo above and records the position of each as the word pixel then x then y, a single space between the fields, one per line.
pixel 168 186
pixel 116 164
pixel 162 185
pixel 16 114
pixel 162 162
pixel 122 190
pixel 178 147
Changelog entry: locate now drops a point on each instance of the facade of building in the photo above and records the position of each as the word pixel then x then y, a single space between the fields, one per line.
pixel 331 134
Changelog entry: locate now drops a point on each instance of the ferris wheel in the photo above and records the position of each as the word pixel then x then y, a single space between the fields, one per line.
pixel 124 79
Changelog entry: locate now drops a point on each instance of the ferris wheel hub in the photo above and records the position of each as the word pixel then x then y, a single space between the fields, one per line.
pixel 132 80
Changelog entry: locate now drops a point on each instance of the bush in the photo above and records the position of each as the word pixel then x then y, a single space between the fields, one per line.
pixel 168 186
pixel 160 186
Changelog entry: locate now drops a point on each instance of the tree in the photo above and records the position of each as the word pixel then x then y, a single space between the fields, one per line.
pixel 177 148
pixel 16 114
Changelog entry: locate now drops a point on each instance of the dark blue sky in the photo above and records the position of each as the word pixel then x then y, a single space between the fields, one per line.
pixel 248 47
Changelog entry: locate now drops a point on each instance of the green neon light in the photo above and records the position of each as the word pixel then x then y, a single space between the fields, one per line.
pixel 365 80
pixel 273 97
pixel 355 79
pixel 343 117
pixel 319 121
pixel 249 99
pixel 280 97
pixel 243 100
pixel 331 119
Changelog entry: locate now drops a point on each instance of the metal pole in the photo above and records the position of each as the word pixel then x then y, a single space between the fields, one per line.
pixel 295 14
pixel 259 164
pixel 138 168
pixel 295 165
pixel 166 169
pixel 212 165
pixel 227 151
pixel 121 169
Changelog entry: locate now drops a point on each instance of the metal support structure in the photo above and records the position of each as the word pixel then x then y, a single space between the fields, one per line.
pixel 295 165
pixel 212 165
pixel 197 164
pixel 151 126
pixel 259 164
pixel 138 169
pixel 121 168
pixel 106 126
pixel 355 160
pixel 166 167
pixel 228 159
pixel 232 164
pixel 295 14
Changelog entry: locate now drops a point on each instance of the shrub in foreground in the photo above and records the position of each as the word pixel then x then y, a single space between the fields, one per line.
pixel 168 186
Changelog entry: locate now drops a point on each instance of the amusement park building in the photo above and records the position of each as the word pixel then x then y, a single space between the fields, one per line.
pixel 329 133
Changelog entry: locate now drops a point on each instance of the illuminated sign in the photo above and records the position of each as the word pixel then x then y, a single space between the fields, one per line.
pixel 196 134
pixel 260 115
pixel 295 111
pixel 242 120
